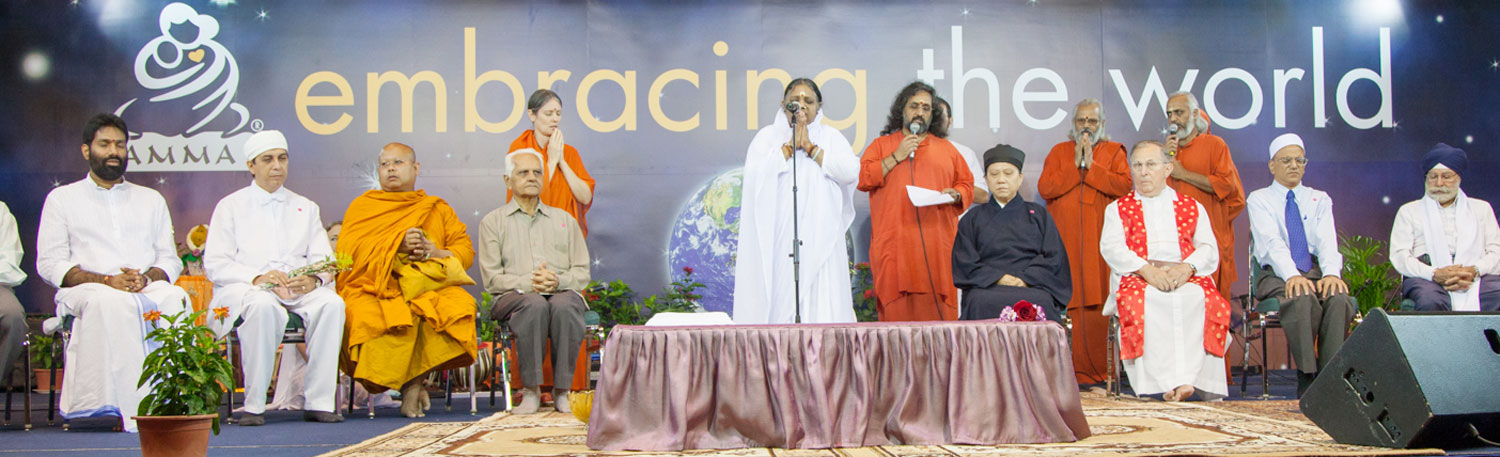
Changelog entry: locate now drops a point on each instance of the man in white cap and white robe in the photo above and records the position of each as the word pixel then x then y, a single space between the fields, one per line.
pixel 260 235
pixel 1447 244
pixel 1297 248
pixel 107 245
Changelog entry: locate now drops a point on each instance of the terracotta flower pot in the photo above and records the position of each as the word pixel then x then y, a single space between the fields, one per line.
pixel 44 380
pixel 175 435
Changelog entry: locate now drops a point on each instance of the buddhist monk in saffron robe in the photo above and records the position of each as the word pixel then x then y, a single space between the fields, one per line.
pixel 566 184
pixel 911 248
pixel 1205 171
pixel 1079 179
pixel 406 314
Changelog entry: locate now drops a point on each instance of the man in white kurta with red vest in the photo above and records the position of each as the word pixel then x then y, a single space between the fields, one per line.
pixel 1161 251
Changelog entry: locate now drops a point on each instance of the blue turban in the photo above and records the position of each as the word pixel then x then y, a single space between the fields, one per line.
pixel 1453 158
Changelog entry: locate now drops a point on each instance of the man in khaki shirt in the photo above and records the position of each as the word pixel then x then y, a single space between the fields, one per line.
pixel 534 262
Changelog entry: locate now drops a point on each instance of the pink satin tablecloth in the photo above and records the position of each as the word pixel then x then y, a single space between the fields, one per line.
pixel 835 385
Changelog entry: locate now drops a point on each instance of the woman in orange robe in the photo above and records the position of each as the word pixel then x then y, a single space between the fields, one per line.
pixel 567 184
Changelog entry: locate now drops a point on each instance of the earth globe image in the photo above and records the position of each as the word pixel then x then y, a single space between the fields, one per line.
pixel 704 237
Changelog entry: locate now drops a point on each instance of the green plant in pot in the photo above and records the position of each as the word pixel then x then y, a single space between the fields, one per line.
pixel 187 378
pixel 1372 281
pixel 44 362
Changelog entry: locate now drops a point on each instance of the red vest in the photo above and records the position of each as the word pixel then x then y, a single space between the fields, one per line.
pixel 1131 298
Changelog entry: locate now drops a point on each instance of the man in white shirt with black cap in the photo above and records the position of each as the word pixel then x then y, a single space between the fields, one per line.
pixel 258 236
pixel 1297 248
pixel 107 246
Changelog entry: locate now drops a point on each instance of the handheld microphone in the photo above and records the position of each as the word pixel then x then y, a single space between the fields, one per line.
pixel 917 126
pixel 1172 133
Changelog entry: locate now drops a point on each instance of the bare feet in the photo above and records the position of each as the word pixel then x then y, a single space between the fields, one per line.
pixel 411 399
pixel 1182 392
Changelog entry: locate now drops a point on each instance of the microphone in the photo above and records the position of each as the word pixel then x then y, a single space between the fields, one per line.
pixel 1172 133
pixel 917 126
pixel 793 107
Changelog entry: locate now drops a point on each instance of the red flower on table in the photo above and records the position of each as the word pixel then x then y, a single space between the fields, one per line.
pixel 221 312
pixel 1025 311
pixel 151 316
pixel 862 265
pixel 688 270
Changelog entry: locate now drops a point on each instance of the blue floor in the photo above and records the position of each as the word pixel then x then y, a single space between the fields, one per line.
pixel 285 434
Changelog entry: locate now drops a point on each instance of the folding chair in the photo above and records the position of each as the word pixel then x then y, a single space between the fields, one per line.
pixel 26 382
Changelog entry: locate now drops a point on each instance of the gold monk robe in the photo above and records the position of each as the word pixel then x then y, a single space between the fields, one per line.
pixel 404 319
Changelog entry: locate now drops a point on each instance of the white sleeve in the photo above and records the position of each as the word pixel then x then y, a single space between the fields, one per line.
pixel 10 250
pixel 220 249
pixel 1112 244
pixel 1270 248
pixel 1205 256
pixel 53 256
pixel 1404 234
pixel 165 244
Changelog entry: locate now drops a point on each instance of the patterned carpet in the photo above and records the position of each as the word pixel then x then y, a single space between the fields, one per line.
pixel 1121 427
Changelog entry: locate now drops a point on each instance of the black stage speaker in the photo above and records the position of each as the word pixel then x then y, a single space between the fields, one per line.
pixel 1407 380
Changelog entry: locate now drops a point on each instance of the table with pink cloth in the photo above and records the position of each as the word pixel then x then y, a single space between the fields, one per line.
pixel 835 385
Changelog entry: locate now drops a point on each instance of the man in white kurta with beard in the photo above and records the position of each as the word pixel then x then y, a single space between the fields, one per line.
pixel 1160 249
pixel 107 246
pixel 764 292
pixel 258 236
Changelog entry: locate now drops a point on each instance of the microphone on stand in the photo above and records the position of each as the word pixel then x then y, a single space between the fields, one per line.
pixel 792 107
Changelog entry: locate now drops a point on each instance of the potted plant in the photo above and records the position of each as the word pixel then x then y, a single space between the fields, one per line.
pixel 187 378
pixel 43 362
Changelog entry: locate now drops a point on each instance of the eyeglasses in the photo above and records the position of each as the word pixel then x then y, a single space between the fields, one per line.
pixel 1442 176
pixel 1289 160
pixel 1151 164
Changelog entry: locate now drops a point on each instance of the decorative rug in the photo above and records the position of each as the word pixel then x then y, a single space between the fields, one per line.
pixel 1122 426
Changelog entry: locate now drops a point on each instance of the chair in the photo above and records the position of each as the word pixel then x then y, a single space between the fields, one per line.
pixel 505 338
pixel 1112 347
pixel 26 382
pixel 296 333
pixel 62 329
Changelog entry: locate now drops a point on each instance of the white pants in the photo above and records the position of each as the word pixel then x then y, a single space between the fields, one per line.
pixel 108 346
pixel 265 317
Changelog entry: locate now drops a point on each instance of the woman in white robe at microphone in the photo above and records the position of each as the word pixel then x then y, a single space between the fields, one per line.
pixel 826 173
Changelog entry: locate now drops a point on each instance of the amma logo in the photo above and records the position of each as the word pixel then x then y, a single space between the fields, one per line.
pixel 191 77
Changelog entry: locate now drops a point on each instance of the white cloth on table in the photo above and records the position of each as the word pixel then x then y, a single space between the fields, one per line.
pixel 1173 353
pixel 763 288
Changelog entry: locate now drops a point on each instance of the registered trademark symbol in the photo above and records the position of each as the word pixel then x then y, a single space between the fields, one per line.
pixel 257 125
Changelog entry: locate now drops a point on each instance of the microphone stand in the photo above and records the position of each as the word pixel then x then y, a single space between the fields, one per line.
pixel 796 234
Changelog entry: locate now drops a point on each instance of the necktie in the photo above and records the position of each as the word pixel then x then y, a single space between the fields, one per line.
pixel 1296 237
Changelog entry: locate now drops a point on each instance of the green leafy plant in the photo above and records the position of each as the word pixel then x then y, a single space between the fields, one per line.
pixel 41 352
pixel 487 326
pixel 186 373
pixel 1371 278
pixel 865 301
pixel 615 303
pixel 680 296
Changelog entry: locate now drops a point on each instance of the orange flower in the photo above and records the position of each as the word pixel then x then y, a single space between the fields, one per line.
pixel 221 312
pixel 152 316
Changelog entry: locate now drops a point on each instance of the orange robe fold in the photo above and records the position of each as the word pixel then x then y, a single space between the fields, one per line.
pixel 1076 199
pixel 1209 156
pixel 900 263
pixel 556 192
pixel 388 339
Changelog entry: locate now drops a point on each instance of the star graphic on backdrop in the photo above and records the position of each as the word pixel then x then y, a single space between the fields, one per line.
pixel 598 262
pixel 1494 64
pixel 1396 125
pixel 966 12
pixel 56 183
pixel 74 3
pixel 448 155
pixel 161 181
pixel 1469 139
pixel 262 15
pixel 476 213
pixel 1386 200
pixel 1440 19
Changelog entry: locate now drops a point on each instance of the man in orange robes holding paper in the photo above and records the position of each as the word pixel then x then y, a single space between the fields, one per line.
pixel 1080 177
pixel 1204 170
pixel 911 248
pixel 406 312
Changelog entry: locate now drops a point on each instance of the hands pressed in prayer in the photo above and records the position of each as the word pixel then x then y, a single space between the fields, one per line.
pixel 415 244
pixel 1332 285
pixel 543 280
pixel 1012 281
pixel 554 151
pixel 1083 150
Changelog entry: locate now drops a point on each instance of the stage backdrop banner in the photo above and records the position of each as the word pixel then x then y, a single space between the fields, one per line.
pixel 661 99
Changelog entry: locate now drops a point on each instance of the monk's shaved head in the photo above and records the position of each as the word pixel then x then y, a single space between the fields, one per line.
pixel 398 168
